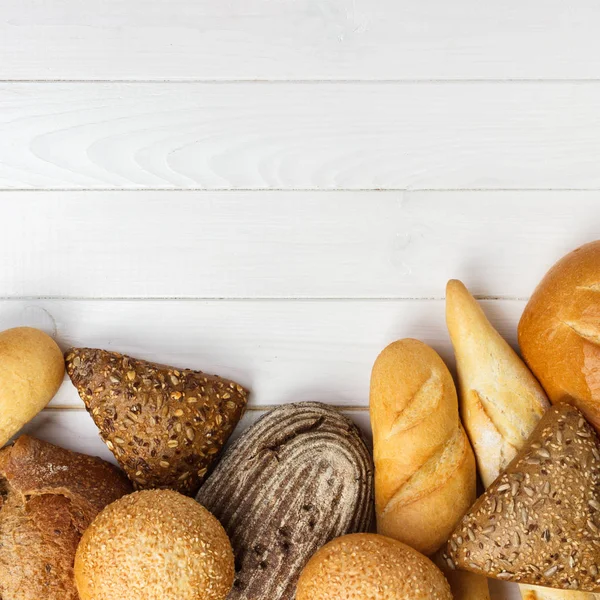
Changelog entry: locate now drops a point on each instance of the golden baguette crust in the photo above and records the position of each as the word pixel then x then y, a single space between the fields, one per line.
pixel 559 332
pixel 501 401
pixel 424 465
pixel 365 566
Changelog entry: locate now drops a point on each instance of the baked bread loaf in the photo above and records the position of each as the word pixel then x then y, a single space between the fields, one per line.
pixel 31 371
pixel 559 332
pixel 48 497
pixel 424 465
pixel 154 545
pixel 501 401
pixel 539 522
pixel 299 477
pixel 165 426
pixel 370 567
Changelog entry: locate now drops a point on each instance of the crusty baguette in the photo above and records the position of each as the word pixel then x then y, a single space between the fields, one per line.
pixel 424 465
pixel 501 401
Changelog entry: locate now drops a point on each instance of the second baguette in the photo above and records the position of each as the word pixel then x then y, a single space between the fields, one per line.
pixel 424 465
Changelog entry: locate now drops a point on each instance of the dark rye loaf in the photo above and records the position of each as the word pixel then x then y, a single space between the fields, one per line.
pixel 296 479
pixel 48 498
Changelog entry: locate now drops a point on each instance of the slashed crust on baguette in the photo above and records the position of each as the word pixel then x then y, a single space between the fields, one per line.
pixel 424 465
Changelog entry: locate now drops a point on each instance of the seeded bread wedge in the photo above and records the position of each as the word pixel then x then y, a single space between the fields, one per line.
pixel 539 522
pixel 164 425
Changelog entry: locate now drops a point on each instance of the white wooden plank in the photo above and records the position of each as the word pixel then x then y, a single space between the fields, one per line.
pixel 302 136
pixel 300 39
pixel 286 244
pixel 284 351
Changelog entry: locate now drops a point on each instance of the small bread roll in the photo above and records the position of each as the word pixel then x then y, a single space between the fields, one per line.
pixel 366 566
pixel 154 545
pixel 31 371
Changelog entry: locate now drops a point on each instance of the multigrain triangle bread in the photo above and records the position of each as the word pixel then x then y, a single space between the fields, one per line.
pixel 501 401
pixel 48 498
pixel 424 465
pixel 497 391
pixel 539 522
pixel 164 425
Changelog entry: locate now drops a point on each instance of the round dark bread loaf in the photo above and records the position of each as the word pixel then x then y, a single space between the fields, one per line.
pixel 299 477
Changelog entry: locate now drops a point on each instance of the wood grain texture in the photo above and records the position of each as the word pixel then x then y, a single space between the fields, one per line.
pixel 302 39
pixel 287 244
pixel 300 136
pixel 283 351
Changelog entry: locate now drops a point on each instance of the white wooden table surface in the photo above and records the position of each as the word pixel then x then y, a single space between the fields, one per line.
pixel 274 190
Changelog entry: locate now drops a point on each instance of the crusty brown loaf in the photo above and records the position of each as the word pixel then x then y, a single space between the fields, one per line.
pixel 371 567
pixel 539 522
pixel 31 371
pixel 49 496
pixel 559 332
pixel 154 545
pixel 424 465
pixel 164 425
pixel 300 476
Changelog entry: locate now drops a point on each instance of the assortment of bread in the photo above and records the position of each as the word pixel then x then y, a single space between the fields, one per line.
pixel 286 511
